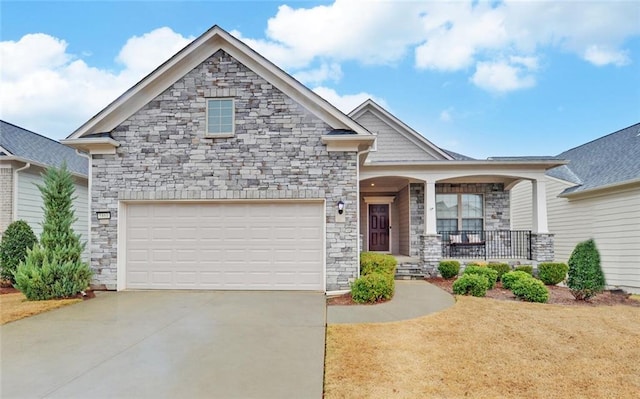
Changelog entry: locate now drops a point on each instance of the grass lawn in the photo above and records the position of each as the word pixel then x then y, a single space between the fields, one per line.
pixel 485 348
pixel 15 306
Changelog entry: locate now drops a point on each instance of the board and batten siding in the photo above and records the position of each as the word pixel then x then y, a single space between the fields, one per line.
pixel 391 145
pixel 404 240
pixel 612 219
pixel 29 205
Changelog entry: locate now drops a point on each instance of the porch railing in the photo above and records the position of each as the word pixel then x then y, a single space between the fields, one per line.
pixel 486 244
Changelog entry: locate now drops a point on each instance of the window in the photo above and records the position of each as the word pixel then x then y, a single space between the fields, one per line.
pixel 459 212
pixel 220 117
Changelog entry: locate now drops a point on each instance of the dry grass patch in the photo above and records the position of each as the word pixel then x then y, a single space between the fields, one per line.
pixel 15 306
pixel 484 348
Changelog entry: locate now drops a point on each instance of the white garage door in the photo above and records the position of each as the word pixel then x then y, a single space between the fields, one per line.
pixel 256 246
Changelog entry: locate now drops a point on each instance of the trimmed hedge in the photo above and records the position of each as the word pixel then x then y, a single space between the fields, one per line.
pixel 511 278
pixel 373 287
pixel 489 274
pixel 552 273
pixel 371 262
pixel 525 268
pixel 471 284
pixel 16 240
pixel 531 290
pixel 449 268
pixel 501 268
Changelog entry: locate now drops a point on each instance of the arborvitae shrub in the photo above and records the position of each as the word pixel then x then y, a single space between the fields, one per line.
pixel 16 240
pixel 449 268
pixel 373 287
pixel 530 290
pixel 490 274
pixel 501 268
pixel 586 278
pixel 552 273
pixel 471 284
pixel 511 278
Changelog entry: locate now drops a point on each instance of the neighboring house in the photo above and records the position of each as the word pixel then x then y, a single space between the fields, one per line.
pixel 221 171
pixel 24 155
pixel 596 195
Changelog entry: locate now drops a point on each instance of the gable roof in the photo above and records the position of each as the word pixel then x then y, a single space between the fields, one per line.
pixel 27 146
pixel 402 128
pixel 610 160
pixel 191 56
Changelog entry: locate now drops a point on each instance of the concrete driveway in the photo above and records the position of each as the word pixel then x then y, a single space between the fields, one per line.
pixel 169 344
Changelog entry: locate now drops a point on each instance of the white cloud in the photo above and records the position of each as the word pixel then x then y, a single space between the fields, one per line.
pixel 50 91
pixel 601 56
pixel 502 76
pixel 332 72
pixel 348 102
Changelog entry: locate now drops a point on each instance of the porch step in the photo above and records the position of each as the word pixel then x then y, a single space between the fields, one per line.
pixel 409 271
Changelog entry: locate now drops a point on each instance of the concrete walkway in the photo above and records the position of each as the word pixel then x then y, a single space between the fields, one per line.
pixel 169 344
pixel 412 299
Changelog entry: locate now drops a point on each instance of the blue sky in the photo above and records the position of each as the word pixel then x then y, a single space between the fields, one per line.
pixel 479 78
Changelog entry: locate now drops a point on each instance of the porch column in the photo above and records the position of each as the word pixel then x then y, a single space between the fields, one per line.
pixel 539 201
pixel 430 208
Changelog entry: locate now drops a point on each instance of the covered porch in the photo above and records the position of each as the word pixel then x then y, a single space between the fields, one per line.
pixel 451 214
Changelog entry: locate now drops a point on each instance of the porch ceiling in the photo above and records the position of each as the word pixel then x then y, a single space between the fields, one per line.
pixel 384 184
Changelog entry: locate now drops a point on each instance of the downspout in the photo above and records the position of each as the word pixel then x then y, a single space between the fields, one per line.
pixel 358 203
pixel 15 189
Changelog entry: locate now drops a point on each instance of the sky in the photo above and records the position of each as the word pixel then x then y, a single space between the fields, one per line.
pixel 498 78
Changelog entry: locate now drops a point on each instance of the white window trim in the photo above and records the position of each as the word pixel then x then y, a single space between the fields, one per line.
pixel 233 120
pixel 459 216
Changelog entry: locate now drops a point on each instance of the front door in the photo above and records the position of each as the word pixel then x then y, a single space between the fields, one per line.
pixel 379 227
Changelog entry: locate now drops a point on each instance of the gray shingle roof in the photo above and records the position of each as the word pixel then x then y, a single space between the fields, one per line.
pixel 457 156
pixel 612 159
pixel 31 146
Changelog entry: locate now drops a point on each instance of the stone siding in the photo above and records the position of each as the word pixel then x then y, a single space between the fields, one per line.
pixel 6 199
pixel 542 247
pixel 416 211
pixel 276 153
pixel 430 253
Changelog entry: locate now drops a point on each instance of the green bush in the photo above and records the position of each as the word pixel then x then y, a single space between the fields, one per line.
pixel 585 274
pixel 530 290
pixel 490 274
pixel 371 262
pixel 552 273
pixel 54 268
pixel 525 268
pixel 449 268
pixel 511 278
pixel 17 238
pixel 471 284
pixel 372 288
pixel 501 268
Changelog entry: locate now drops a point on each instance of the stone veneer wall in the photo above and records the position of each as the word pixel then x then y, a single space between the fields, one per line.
pixel 276 153
pixel 6 199
pixel 542 247
pixel 496 201
pixel 416 212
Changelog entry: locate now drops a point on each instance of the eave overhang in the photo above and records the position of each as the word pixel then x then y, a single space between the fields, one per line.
pixel 619 186
pixel 349 142
pixel 93 145
pixel 25 161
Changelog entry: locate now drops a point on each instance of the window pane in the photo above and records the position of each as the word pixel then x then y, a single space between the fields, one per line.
pixel 472 206
pixel 220 116
pixel 447 224
pixel 446 206
pixel 472 224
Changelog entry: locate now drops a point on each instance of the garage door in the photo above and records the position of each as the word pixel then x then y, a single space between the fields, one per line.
pixel 253 246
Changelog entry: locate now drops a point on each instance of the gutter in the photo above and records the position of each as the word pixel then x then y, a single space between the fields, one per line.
pixel 601 189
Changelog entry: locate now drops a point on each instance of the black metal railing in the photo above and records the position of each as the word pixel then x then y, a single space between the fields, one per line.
pixel 486 244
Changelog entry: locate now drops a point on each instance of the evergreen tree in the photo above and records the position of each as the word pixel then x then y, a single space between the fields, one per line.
pixel 586 278
pixel 54 268
pixel 16 240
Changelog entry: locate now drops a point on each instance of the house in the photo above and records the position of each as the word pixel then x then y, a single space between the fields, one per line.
pixel 220 171
pixel 597 195
pixel 24 156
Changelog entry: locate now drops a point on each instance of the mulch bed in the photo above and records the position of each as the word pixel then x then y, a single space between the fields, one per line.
pixel 89 294
pixel 557 296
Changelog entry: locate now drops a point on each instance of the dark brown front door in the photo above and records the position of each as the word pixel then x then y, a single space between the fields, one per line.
pixel 379 227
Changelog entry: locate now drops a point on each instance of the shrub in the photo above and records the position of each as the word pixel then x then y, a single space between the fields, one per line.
pixel 552 273
pixel 585 274
pixel 525 268
pixel 449 268
pixel 54 268
pixel 531 290
pixel 17 238
pixel 371 262
pixel 501 268
pixel 476 263
pixel 511 278
pixel 490 274
pixel 372 287
pixel 474 284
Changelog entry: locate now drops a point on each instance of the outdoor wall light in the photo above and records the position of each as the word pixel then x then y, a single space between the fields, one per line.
pixel 340 207
pixel 103 217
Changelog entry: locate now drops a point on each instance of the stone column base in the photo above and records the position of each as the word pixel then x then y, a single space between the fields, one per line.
pixel 430 253
pixel 542 247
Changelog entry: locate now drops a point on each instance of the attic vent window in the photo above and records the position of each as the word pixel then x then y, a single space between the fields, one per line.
pixel 220 117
